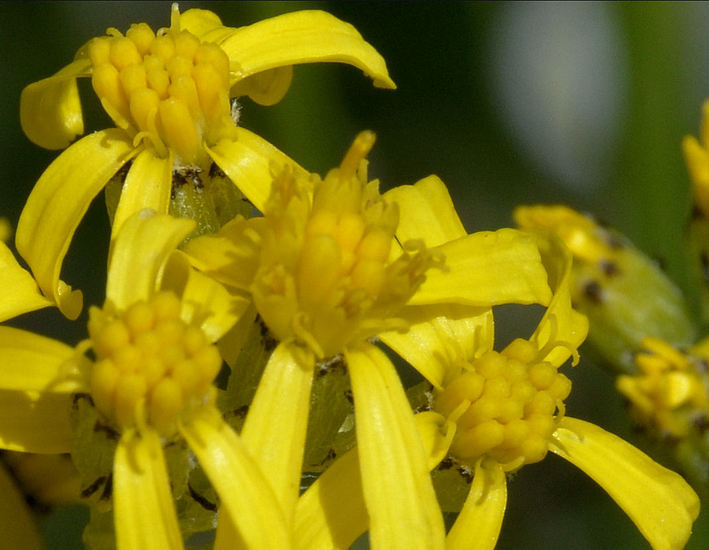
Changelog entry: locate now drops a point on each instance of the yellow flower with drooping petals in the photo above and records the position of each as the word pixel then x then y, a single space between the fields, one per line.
pixel 150 380
pixel 494 412
pixel 327 275
pixel 169 96
pixel 669 391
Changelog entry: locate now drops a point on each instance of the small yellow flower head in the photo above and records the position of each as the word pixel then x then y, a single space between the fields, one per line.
pixel 696 156
pixel 506 406
pixel 150 365
pixel 326 274
pixel 168 88
pixel 625 295
pixel 670 390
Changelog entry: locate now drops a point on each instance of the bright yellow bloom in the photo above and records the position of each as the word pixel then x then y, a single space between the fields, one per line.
pixel 492 413
pixel 669 392
pixel 625 295
pixel 169 96
pixel 150 380
pixel 326 275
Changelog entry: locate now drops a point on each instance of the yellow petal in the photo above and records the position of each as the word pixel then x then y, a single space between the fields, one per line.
pixel 561 324
pixel 302 37
pixel 143 508
pixel 428 346
pixel 426 212
pixel 478 524
pixel 251 162
pixel 35 422
pixel 17 526
pixel 487 268
pixel 139 253
pixel 204 301
pixel 50 110
pixel 267 87
pixel 397 487
pixel 246 496
pixel 659 501
pixel 436 435
pixel 231 257
pixel 147 185
pixel 32 362
pixel 58 202
pixel 331 514
pixel 201 22
pixel 23 294
pixel 276 425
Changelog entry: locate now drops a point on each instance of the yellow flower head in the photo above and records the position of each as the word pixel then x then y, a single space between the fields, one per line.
pixel 494 411
pixel 625 294
pixel 169 95
pixel 326 275
pixel 696 156
pixel 170 89
pixel 506 406
pixel 150 364
pixel 669 391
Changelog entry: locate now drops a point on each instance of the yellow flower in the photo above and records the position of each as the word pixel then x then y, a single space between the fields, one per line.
pixel 169 96
pixel 327 275
pixel 625 295
pixel 150 380
pixel 493 412
pixel 669 391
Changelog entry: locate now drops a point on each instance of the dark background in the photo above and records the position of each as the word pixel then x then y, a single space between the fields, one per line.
pixel 509 103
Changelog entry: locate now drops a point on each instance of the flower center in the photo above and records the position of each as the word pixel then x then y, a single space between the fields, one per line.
pixel 326 274
pixel 507 405
pixel 169 89
pixel 150 365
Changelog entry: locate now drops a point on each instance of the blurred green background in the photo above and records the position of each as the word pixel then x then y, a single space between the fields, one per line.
pixel 509 103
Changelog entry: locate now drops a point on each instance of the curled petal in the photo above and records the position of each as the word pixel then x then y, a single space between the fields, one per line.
pixel 139 253
pixel 426 212
pixel 25 295
pixel 661 504
pixel 478 524
pixel 302 37
pixel 144 511
pixel 58 202
pixel 562 329
pixel 50 109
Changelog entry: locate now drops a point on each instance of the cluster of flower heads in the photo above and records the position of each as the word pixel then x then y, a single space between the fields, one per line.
pixel 221 355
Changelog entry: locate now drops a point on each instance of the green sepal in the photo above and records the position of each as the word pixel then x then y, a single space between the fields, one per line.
pixel 628 298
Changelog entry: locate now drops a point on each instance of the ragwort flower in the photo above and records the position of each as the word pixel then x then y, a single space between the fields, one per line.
pixel 169 96
pixel 494 412
pixel 150 380
pixel 326 275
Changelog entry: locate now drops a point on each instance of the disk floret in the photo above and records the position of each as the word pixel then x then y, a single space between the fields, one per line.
pixel 168 88
pixel 150 365
pixel 506 405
